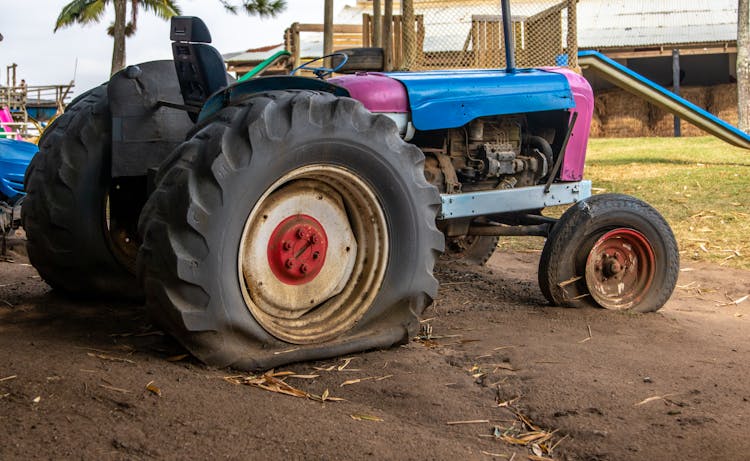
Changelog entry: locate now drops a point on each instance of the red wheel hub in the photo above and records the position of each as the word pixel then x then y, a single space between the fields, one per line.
pixel 297 249
pixel 620 268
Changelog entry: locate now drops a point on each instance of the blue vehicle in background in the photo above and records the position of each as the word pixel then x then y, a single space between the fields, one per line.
pixel 15 157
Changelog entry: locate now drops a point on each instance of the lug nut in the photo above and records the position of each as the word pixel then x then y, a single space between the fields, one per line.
pixel 614 267
pixel 286 246
pixel 289 263
pixel 300 233
pixel 316 255
pixel 314 239
pixel 303 268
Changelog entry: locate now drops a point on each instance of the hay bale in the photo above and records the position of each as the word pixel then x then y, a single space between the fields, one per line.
pixel 662 122
pixel 622 115
pixel 618 114
pixel 724 102
pixel 699 96
pixel 595 130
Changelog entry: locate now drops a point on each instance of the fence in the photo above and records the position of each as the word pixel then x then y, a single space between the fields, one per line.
pixel 469 33
pixel 443 34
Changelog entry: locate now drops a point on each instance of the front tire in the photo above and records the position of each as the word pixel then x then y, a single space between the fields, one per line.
pixel 296 226
pixel 612 251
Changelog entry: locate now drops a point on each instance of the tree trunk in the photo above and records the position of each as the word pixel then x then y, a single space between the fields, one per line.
pixel 743 64
pixel 118 51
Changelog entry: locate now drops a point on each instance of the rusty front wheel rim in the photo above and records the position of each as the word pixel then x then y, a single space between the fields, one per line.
pixel 620 269
pixel 303 309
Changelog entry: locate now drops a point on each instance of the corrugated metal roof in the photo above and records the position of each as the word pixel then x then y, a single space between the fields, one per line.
pixel 622 23
pixel 601 23
pixel 253 55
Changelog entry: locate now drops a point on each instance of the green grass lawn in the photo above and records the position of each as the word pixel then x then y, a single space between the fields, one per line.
pixel 700 185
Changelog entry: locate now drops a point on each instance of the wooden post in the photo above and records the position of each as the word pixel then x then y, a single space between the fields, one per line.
pixel 509 37
pixel 398 42
pixel 377 24
pixel 388 35
pixel 572 39
pixel 366 30
pixel 296 58
pixel 408 34
pixel 328 31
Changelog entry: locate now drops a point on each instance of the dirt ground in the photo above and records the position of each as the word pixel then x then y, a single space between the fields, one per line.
pixel 500 365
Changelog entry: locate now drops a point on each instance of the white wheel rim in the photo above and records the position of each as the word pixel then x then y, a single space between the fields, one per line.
pixel 298 296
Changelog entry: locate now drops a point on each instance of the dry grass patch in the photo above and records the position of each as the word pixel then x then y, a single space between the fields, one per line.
pixel 700 185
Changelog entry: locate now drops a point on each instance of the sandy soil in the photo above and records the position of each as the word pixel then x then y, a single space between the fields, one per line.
pixel 606 385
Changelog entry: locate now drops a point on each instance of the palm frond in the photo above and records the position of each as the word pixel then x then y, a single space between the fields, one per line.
pixel 264 8
pixel 164 9
pixel 129 29
pixel 228 6
pixel 81 12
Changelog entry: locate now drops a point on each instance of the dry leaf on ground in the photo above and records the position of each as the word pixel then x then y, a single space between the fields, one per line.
pixel 274 382
pixel 652 399
pixel 471 421
pixel 110 358
pixel 151 387
pixel 360 417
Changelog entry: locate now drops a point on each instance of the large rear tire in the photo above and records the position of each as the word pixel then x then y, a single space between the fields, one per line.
pixel 612 251
pixel 65 211
pixel 296 226
pixel 470 250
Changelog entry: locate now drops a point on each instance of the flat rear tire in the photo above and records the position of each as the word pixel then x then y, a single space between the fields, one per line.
pixel 296 226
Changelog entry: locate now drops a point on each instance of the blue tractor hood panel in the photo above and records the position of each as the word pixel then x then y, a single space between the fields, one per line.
pixel 15 157
pixel 452 98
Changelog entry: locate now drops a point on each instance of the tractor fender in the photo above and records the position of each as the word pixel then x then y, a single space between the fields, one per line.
pixel 241 91
pixel 144 131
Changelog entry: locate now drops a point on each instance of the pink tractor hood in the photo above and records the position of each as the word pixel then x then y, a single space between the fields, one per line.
pixel 378 92
pixel 575 153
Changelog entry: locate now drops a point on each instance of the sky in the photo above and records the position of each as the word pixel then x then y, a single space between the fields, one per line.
pixel 84 53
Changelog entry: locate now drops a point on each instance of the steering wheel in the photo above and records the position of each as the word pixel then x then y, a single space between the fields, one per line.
pixel 322 72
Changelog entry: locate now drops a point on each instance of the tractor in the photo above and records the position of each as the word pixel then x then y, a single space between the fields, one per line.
pixel 288 218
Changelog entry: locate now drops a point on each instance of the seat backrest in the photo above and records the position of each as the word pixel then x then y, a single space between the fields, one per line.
pixel 200 68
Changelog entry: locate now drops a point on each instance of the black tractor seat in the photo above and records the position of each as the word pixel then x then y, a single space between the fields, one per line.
pixel 200 67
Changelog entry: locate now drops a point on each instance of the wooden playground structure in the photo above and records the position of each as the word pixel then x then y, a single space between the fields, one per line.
pixel 24 108
pixel 539 35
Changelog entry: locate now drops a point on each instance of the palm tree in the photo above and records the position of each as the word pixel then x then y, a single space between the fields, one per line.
pixel 743 65
pixel 92 11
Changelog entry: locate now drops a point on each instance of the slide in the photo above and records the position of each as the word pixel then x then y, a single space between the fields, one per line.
pixel 5 117
pixel 660 96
